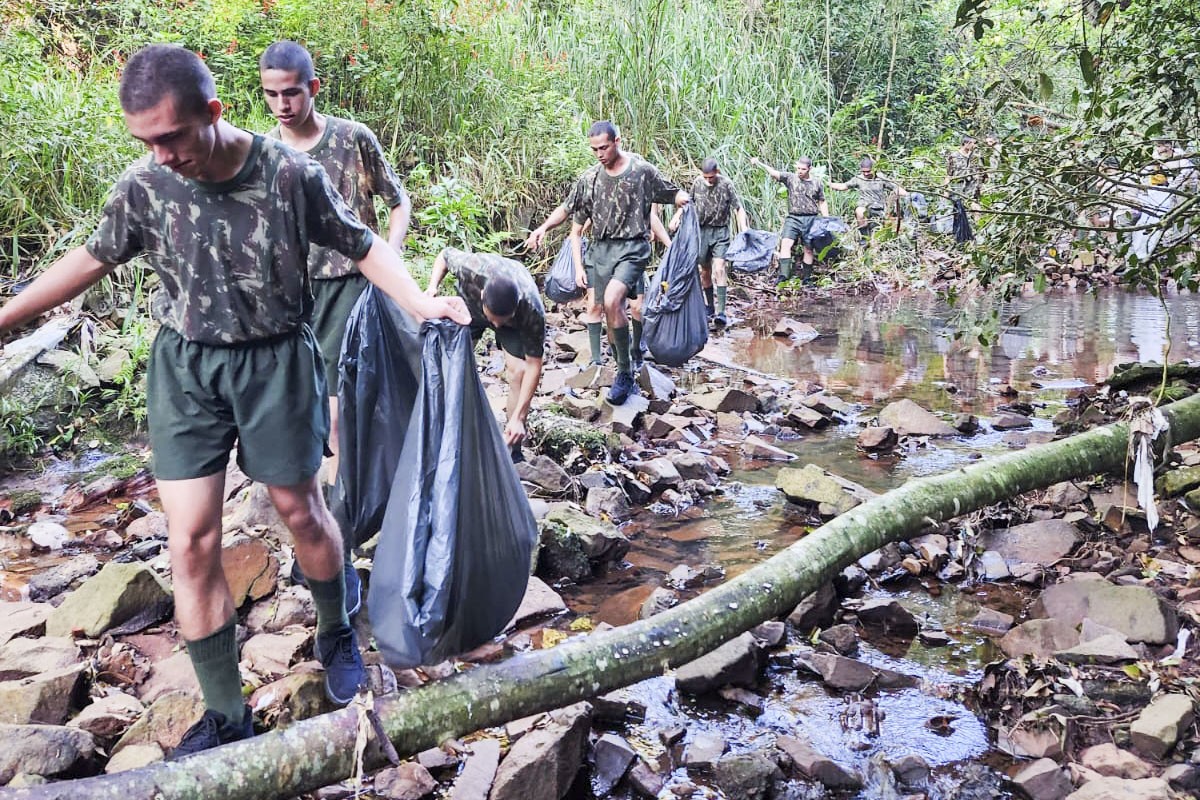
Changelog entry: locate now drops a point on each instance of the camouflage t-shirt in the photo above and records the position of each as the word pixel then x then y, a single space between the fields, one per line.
pixel 714 204
pixel 232 255
pixel 803 194
pixel 473 271
pixel 966 173
pixel 619 206
pixel 872 192
pixel 359 170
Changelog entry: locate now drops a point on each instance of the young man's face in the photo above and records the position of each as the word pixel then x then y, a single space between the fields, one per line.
pixel 867 171
pixel 496 319
pixel 289 98
pixel 183 143
pixel 803 168
pixel 711 177
pixel 607 150
pixel 968 146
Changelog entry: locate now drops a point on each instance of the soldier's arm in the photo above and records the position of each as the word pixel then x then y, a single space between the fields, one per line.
pixel 673 225
pixel 557 217
pixel 742 220
pixel 398 220
pixel 64 279
pixel 436 274
pixel 657 230
pixel 576 241
pixel 382 266
pixel 839 187
pixel 822 203
pixel 774 173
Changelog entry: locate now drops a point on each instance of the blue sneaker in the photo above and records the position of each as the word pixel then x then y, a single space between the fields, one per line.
pixel 353 585
pixel 211 731
pixel 622 387
pixel 344 670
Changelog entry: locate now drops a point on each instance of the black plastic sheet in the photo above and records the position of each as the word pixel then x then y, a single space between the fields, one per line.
pixel 752 250
pixel 962 223
pixel 823 237
pixel 560 282
pixel 424 463
pixel 674 316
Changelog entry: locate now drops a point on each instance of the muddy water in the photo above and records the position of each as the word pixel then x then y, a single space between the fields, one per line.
pixel 869 353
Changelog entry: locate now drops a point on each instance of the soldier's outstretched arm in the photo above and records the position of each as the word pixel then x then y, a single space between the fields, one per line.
pixel 774 173
pixel 64 279
pixel 557 217
pixel 382 266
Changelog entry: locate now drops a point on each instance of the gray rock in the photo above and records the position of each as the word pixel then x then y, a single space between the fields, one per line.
pixel 1041 638
pixel 575 545
pixel 44 698
pixel 992 622
pixel 815 766
pixel 1006 421
pixel 812 485
pixel 134 757
pixel 771 633
pixel 42 750
pixel 909 419
pixel 409 781
pixel 23 619
pixel 877 439
pixel 1135 611
pixel 657 473
pixel 544 473
pixel 164 722
pixel 704 749
pixel 108 717
pixel 22 658
pixel 1109 649
pixel 842 638
pixel 725 400
pixel 292 605
pixel 1110 760
pixel 1182 777
pixel 758 449
pixel 479 772
pixel 657 602
pixel 58 578
pixel 804 417
pixel 839 672
pixel 911 771
pixel 693 465
pixel 626 417
pixel 611 757
pixel 543 762
pixel 645 780
pixel 539 601
pixel 992 566
pixel 1064 495
pixel 814 611
pixel 1043 780
pixel 1122 789
pixel 655 383
pixel 748 776
pixel 889 616
pixel 1043 542
pixel 1159 726
pixel 608 501
pixel 737 663
pixel 115 594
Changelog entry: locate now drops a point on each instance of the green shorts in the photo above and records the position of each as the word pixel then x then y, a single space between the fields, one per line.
pixel 714 241
pixel 624 260
pixel 508 338
pixel 795 227
pixel 333 300
pixel 268 396
pixel 875 212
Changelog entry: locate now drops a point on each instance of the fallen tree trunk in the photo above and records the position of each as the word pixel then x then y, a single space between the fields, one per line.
pixel 319 751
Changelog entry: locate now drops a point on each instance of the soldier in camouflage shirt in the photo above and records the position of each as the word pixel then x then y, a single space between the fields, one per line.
pixel 806 199
pixel 226 219
pixel 615 195
pixel 359 171
pixel 717 204
pixel 964 172
pixel 501 294
pixel 873 190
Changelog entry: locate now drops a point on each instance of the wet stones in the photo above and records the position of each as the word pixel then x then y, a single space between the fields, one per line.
pixel 1136 611
pixel 814 486
pixel 736 663
pixel 810 763
pixel 1159 726
pixel 575 545
pixel 543 763
pixel 115 594
pixel 1044 780
pixel 907 418
pixel 45 750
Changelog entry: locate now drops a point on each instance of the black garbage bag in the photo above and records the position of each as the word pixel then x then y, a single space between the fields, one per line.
pixel 962 223
pixel 423 462
pixel 823 237
pixel 752 250
pixel 674 317
pixel 560 282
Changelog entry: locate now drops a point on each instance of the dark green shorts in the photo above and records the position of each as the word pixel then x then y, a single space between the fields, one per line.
pixel 875 212
pixel 795 227
pixel 268 396
pixel 508 338
pixel 624 260
pixel 714 241
pixel 333 300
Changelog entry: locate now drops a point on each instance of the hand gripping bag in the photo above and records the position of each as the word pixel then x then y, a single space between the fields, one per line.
pixel 752 250
pixel 675 320
pixel 423 459
pixel 560 283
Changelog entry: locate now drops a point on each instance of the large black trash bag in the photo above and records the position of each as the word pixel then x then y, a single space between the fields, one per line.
pixel 674 317
pixel 560 282
pixel 423 460
pixel 752 250
pixel 962 223
pixel 823 236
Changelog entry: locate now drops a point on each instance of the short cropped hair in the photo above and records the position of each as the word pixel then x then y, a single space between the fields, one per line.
pixel 290 57
pixel 500 295
pixel 159 70
pixel 967 139
pixel 804 160
pixel 708 166
pixel 604 127
pixel 866 163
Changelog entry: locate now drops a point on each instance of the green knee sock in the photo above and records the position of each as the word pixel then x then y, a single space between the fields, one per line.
pixel 329 597
pixel 708 298
pixel 785 268
pixel 806 271
pixel 620 346
pixel 635 338
pixel 215 659
pixel 594 331
pixel 722 291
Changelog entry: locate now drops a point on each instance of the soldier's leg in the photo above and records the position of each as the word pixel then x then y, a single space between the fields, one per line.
pixel 592 319
pixel 706 282
pixel 785 258
pixel 618 322
pixel 720 281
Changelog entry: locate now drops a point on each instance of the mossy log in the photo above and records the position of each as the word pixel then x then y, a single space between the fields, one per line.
pixel 319 751
pixel 1127 376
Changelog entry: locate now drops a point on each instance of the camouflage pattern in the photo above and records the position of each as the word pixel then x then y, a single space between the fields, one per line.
pixel 715 205
pixel 872 192
pixel 803 194
pixel 619 207
pixel 359 171
pixel 965 172
pixel 472 270
pixel 231 256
